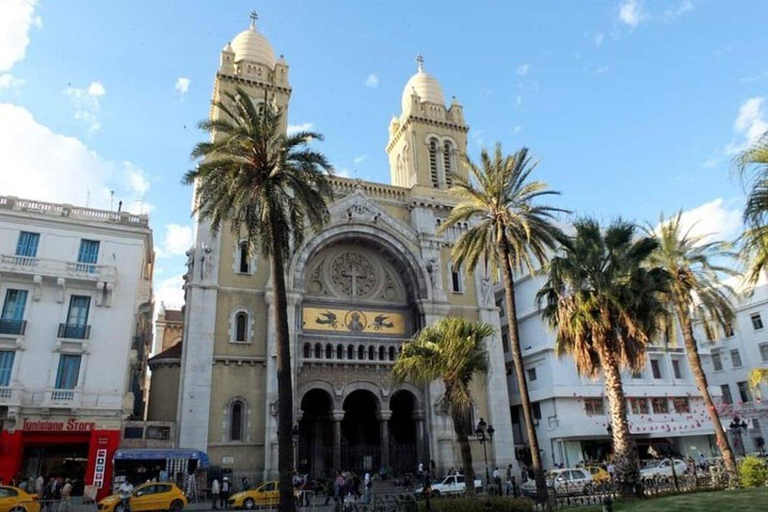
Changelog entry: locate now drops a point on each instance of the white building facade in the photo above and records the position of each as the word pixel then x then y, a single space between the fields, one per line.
pixel 728 356
pixel 571 413
pixel 75 331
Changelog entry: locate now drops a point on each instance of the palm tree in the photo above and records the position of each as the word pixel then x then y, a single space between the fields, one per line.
pixel 604 307
pixel 267 186
pixel 758 376
pixel 509 231
pixel 752 164
pixel 696 289
pixel 451 350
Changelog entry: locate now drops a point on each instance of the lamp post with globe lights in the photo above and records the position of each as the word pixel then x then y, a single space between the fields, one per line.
pixel 737 427
pixel 484 432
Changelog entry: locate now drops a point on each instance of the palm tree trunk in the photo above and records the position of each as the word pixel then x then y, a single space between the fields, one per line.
pixel 694 361
pixel 460 425
pixel 284 384
pixel 624 450
pixel 517 358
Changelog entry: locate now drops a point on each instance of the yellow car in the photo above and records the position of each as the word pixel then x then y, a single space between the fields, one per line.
pixel 13 498
pixel 149 496
pixel 599 475
pixel 265 495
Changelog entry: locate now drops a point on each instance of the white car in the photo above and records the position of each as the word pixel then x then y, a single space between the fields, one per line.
pixel 452 484
pixel 663 468
pixel 564 481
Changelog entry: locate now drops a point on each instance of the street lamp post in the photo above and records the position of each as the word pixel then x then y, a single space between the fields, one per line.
pixel 484 433
pixel 295 432
pixel 738 426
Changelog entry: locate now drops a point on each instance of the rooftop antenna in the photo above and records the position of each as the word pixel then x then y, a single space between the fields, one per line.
pixel 111 199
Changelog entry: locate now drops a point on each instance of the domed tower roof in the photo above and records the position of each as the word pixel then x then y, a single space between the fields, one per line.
pixel 252 46
pixel 425 85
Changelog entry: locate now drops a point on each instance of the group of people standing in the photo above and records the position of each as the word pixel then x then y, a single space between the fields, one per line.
pixel 54 493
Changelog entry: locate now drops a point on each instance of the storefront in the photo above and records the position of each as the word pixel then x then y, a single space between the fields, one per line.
pixel 68 447
pixel 186 468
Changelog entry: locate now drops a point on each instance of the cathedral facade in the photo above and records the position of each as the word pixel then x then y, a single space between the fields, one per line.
pixel 357 291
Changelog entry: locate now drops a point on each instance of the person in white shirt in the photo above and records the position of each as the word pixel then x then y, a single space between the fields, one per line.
pixel 215 490
pixel 125 491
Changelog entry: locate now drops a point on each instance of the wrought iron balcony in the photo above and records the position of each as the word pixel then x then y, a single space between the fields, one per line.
pixel 74 331
pixel 10 396
pixel 11 263
pixel 16 327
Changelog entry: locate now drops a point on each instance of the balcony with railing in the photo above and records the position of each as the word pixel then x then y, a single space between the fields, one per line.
pixel 72 212
pixel 10 396
pixel 13 327
pixel 26 265
pixel 74 331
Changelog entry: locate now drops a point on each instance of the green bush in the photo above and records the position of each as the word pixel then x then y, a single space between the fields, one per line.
pixel 753 472
pixel 479 504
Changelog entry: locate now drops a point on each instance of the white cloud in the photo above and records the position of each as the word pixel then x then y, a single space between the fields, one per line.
pixel 678 10
pixel 755 78
pixel 522 69
pixel 600 70
pixel 517 128
pixel 518 101
pixel 343 173
pixel 16 17
pixel 178 240
pixel 359 159
pixel 8 81
pixel 87 103
pixel 632 13
pixel 599 37
pixel 170 291
pixel 372 81
pixel 750 123
pixel 41 164
pixel 182 85
pixel 305 127
pixel 714 218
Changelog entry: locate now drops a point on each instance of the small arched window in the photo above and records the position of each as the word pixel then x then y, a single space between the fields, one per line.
pixel 433 162
pixel 382 354
pixel 236 417
pixel 329 351
pixel 307 350
pixel 391 353
pixel 361 352
pixel 340 352
pixel 350 352
pixel 447 150
pixel 244 253
pixel 318 351
pixel 371 353
pixel 241 327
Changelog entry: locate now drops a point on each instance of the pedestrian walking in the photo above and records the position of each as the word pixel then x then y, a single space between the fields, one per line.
pixel 215 492
pixel 125 491
pixel 225 490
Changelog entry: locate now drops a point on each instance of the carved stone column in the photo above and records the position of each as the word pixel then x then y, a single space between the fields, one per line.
pixel 421 453
pixel 383 417
pixel 336 417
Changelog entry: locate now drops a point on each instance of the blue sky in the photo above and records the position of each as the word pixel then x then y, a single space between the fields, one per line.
pixel 632 107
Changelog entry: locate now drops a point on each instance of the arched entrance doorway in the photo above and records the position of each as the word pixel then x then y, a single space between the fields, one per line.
pixel 360 433
pixel 403 436
pixel 315 433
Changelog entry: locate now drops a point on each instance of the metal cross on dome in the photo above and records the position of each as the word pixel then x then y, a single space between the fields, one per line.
pixel 420 60
pixel 254 16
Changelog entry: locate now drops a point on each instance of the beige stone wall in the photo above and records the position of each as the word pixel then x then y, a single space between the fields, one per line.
pixel 244 380
pixel 163 393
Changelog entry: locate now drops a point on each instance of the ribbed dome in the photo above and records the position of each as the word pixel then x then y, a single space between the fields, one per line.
pixel 250 45
pixel 426 86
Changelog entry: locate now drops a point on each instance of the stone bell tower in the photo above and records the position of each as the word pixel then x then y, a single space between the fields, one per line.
pixel 249 62
pixel 427 140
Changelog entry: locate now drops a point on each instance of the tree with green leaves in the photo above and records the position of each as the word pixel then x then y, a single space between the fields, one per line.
pixel 511 231
pixel 752 164
pixel 452 351
pixel 696 292
pixel 605 307
pixel 267 186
